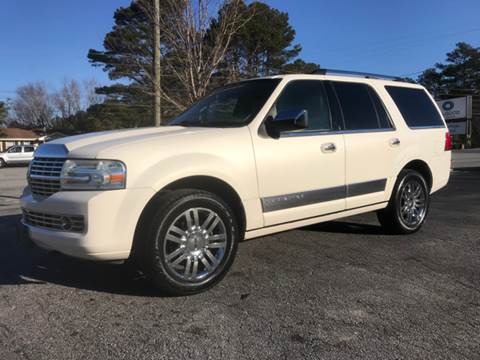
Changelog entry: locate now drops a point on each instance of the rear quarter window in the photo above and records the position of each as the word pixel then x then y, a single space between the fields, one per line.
pixel 416 107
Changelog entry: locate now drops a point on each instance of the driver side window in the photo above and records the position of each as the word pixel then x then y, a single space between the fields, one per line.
pixel 307 95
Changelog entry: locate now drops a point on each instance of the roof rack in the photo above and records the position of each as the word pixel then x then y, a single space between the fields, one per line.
pixel 356 73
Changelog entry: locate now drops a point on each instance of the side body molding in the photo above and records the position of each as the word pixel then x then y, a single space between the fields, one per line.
pixel 287 201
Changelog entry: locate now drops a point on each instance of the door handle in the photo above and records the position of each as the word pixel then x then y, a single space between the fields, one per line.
pixel 329 148
pixel 395 142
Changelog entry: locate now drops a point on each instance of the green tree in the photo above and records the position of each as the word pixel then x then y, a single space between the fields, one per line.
pixel 127 55
pixel 462 70
pixel 460 75
pixel 300 67
pixel 432 80
pixel 267 40
pixel 264 45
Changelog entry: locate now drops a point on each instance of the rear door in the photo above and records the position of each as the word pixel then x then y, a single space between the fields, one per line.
pixel 372 144
pixel 27 154
pixel 301 174
pixel 427 130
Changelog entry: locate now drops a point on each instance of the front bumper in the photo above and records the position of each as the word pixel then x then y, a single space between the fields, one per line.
pixel 110 221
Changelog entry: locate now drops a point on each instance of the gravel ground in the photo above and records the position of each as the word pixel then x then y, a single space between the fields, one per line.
pixel 339 290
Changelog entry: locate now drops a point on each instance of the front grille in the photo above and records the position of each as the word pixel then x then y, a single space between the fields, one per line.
pixel 44 175
pixel 54 222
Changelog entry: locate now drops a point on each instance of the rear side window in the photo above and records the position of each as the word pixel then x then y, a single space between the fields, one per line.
pixel 362 110
pixel 416 107
pixel 28 149
pixel 383 117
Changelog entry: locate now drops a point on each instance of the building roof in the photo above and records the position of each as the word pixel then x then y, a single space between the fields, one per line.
pixel 16 133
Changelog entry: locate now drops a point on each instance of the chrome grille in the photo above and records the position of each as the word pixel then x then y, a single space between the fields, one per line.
pixel 44 175
pixel 54 222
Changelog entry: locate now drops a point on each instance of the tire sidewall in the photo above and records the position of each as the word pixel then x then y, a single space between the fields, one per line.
pixel 160 225
pixel 2 163
pixel 409 175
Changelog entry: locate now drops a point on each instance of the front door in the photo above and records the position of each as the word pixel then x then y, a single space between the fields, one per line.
pixel 14 155
pixel 301 174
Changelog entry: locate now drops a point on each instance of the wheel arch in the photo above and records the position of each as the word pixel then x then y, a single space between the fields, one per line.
pixel 215 186
pixel 423 168
pixel 207 183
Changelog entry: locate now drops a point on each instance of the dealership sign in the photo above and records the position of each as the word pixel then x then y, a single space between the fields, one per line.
pixel 457 113
pixel 458 108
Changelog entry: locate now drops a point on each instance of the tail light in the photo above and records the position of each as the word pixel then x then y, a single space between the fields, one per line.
pixel 448 142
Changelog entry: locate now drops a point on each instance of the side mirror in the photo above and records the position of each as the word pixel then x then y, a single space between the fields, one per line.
pixel 287 120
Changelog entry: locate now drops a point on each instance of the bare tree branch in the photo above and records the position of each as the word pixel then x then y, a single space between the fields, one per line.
pixel 32 106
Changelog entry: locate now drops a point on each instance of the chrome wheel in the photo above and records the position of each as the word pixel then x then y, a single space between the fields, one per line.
pixel 195 244
pixel 413 203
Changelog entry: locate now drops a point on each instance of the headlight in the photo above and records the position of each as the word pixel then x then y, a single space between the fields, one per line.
pixel 93 175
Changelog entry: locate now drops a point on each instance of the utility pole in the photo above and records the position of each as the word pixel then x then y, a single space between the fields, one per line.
pixel 156 63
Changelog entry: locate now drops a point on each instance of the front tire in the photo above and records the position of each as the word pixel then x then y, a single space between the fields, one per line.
pixel 2 163
pixel 191 242
pixel 408 206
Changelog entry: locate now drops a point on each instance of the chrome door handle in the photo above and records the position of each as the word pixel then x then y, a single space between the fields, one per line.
pixel 329 148
pixel 395 142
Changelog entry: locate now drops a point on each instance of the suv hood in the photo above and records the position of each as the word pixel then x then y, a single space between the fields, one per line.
pixel 94 144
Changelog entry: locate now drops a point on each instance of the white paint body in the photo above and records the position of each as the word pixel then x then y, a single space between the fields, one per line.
pixel 254 165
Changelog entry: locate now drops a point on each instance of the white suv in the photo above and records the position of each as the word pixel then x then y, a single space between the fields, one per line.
pixel 252 159
pixel 17 154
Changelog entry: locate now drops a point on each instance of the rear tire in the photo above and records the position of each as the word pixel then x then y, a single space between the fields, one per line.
pixel 408 206
pixel 190 242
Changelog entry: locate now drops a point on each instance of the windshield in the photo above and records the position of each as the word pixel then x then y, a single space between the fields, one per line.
pixel 233 105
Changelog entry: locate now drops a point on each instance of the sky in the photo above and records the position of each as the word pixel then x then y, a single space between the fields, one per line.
pixel 48 40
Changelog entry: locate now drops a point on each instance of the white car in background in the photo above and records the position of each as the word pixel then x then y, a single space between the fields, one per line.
pixel 17 154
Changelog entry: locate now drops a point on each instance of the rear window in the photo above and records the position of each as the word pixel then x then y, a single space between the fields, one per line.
pixel 416 107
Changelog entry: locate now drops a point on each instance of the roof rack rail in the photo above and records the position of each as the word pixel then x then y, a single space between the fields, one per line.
pixel 356 73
